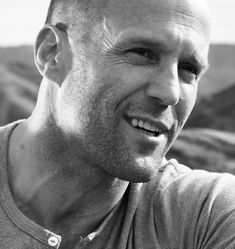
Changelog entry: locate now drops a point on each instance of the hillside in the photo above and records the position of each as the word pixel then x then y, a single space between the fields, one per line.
pixel 207 149
pixel 216 111
pixel 17 96
pixel 20 61
pixel 221 73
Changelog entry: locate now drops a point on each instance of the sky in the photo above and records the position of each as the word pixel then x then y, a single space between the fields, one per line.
pixel 20 21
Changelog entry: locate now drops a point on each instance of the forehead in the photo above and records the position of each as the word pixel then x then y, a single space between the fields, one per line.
pixel 137 12
pixel 189 16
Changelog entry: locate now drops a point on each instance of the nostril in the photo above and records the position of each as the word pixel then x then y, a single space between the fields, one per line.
pixel 164 83
pixel 165 95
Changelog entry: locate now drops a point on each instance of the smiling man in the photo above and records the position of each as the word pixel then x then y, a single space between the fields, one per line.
pixel 88 168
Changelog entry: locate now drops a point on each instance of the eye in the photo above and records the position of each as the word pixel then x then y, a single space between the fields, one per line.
pixel 188 72
pixel 142 52
pixel 140 56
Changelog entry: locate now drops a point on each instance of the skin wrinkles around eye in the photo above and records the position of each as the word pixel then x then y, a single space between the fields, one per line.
pixel 112 55
pixel 191 69
pixel 189 72
pixel 135 52
pixel 110 52
pixel 139 56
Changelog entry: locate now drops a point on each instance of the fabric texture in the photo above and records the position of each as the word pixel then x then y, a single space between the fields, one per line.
pixel 179 209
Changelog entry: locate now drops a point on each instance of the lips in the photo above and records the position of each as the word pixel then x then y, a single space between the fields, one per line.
pixel 148 126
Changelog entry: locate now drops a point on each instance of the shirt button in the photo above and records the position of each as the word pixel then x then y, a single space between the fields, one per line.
pixel 53 241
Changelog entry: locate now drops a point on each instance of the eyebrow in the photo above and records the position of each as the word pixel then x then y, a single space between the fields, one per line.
pixel 160 45
pixel 151 42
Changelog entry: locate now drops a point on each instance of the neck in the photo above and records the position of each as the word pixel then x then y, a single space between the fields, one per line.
pixel 64 196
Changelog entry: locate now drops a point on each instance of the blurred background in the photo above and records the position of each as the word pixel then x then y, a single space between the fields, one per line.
pixel 208 139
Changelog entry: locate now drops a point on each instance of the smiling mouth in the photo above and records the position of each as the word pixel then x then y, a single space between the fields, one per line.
pixel 148 128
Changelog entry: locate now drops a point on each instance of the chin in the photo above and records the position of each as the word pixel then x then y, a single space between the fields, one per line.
pixel 145 176
pixel 137 172
pixel 142 178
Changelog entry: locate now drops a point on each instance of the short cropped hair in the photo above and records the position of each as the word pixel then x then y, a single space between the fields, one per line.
pixel 71 10
pixel 74 15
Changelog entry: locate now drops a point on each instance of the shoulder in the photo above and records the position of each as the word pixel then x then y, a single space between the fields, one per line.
pixel 180 179
pixel 180 183
pixel 6 130
pixel 194 204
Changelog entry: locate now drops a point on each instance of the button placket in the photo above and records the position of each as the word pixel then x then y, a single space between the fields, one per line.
pixel 54 241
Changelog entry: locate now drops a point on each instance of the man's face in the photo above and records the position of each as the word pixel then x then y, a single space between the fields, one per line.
pixel 134 84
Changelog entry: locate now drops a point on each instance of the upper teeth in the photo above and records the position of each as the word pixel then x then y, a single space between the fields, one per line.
pixel 145 125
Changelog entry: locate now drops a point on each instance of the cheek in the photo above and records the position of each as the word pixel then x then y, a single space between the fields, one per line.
pixel 186 103
pixel 126 76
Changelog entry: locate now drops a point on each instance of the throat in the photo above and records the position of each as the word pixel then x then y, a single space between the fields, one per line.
pixel 67 207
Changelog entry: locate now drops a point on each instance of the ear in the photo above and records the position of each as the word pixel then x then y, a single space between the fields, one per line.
pixel 51 53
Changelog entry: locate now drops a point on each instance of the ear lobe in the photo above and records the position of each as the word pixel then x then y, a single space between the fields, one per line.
pixel 49 45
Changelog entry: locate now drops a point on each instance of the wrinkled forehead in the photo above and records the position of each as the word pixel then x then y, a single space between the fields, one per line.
pixel 134 13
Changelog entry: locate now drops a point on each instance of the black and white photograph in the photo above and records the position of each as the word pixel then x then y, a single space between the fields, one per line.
pixel 117 124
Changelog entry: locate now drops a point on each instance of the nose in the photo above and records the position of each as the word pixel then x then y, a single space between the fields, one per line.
pixel 164 85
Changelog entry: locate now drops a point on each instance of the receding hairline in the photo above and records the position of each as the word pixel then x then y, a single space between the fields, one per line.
pixel 61 10
pixel 81 15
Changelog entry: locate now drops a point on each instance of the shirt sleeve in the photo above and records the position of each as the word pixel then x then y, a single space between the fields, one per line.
pixel 197 211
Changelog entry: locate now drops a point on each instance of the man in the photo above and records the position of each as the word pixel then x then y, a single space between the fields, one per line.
pixel 88 168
